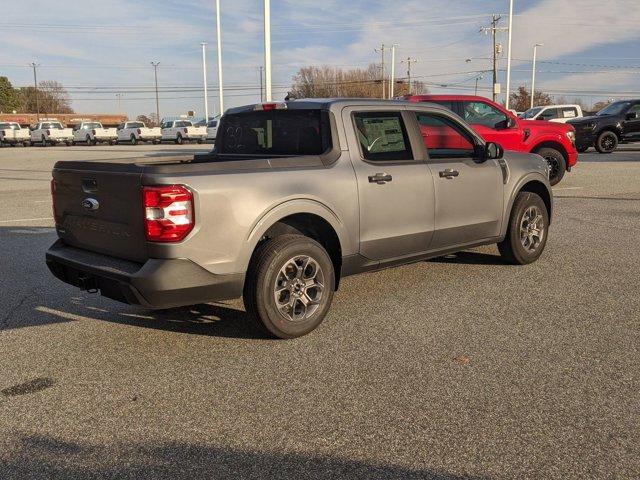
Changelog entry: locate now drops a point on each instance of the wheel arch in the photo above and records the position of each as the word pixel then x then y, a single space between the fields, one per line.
pixel 552 144
pixel 531 183
pixel 305 217
pixel 609 128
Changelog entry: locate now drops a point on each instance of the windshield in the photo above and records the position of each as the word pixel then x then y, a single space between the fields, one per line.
pixel 532 112
pixel 614 109
pixel 9 126
pixel 52 125
pixel 93 125
pixel 275 132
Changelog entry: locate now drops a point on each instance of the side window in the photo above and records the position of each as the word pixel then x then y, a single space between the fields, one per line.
pixel 635 109
pixel 549 114
pixel 443 137
pixel 382 136
pixel 569 112
pixel 480 113
pixel 446 104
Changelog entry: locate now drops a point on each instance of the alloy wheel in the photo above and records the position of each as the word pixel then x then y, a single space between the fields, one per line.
pixel 299 288
pixel 531 229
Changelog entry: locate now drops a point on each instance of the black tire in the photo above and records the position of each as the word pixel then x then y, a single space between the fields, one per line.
pixel 556 161
pixel 134 140
pixel 89 142
pixel 513 248
pixel 179 140
pixel 200 141
pixel 607 142
pixel 582 149
pixel 43 142
pixel 267 264
pixel 25 144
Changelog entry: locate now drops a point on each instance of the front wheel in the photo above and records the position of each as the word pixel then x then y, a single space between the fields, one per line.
pixel 179 140
pixel 527 230
pixel 607 142
pixel 557 164
pixel 289 285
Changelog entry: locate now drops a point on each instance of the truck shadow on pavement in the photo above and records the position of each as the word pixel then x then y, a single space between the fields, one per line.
pixel 43 456
pixel 31 296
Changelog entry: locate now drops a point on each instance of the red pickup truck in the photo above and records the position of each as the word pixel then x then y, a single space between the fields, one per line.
pixel 553 141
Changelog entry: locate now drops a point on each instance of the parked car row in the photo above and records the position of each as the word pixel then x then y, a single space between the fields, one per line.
pixel 91 133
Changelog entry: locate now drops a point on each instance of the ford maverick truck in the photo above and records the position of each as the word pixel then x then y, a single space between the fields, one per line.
pixel 294 197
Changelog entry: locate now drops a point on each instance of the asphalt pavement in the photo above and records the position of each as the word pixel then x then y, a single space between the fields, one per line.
pixel 460 367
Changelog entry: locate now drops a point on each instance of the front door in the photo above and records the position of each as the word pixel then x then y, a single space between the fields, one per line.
pixel 632 125
pixel 395 188
pixel 468 194
pixel 491 124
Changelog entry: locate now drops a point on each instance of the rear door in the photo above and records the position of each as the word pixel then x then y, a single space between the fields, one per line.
pixel 395 188
pixel 632 125
pixel 468 194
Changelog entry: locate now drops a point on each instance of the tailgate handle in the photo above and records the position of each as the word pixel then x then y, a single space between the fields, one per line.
pixel 89 185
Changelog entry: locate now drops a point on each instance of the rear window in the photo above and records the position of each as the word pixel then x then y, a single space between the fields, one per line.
pixel 9 126
pixel 135 125
pixel 275 132
pixel 52 125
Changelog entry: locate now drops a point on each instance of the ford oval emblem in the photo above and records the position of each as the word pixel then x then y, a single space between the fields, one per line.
pixel 90 204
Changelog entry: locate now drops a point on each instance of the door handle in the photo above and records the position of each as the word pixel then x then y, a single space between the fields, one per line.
pixel 448 173
pixel 380 178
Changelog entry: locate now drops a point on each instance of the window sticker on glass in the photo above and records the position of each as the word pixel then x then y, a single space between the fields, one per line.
pixel 382 136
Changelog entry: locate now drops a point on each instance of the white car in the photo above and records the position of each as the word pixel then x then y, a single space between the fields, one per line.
pixel 553 113
pixel 12 134
pixel 51 133
pixel 212 129
pixel 135 132
pixel 180 131
pixel 92 133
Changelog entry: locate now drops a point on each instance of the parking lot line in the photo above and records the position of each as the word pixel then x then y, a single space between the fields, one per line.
pixel 26 220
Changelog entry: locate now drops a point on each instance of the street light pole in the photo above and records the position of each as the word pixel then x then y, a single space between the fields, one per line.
pixel 155 71
pixel 261 69
pixel 220 86
pixel 509 54
pixel 267 48
pixel 34 65
pixel 393 69
pixel 204 73
pixel 533 72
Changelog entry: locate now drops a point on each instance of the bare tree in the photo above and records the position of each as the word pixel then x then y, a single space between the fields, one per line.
pixel 520 100
pixel 149 120
pixel 330 82
pixel 52 95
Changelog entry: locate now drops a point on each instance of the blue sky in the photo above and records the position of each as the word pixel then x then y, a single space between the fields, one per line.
pixel 100 48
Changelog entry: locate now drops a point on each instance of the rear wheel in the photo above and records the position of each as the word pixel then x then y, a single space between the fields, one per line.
pixel 26 144
pixel 556 161
pixel 289 285
pixel 43 141
pixel 527 230
pixel 607 142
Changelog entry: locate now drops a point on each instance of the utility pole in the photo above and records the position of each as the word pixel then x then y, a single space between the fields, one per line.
pixel 497 48
pixel 267 47
pixel 119 96
pixel 506 103
pixel 219 31
pixel 260 69
pixel 34 65
pixel 533 72
pixel 381 50
pixel 409 61
pixel 393 69
pixel 155 71
pixel 204 73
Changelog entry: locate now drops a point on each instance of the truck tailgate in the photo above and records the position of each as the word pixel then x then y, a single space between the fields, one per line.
pixel 100 210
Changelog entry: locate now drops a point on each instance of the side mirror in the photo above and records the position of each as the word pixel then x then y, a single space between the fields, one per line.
pixel 493 151
pixel 632 116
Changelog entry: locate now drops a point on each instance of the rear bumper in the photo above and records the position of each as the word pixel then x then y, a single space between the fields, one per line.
pixel 157 283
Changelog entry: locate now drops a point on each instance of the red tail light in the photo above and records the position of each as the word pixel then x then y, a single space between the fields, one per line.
pixel 53 200
pixel 139 131
pixel 186 130
pixel 93 132
pixel 169 215
pixel 269 106
pixel 48 132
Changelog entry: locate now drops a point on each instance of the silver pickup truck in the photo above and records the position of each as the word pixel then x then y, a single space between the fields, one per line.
pixel 294 197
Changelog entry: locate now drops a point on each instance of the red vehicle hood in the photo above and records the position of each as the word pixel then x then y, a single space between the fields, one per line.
pixel 546 126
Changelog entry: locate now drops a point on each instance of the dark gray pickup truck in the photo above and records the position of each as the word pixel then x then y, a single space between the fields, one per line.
pixel 294 197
